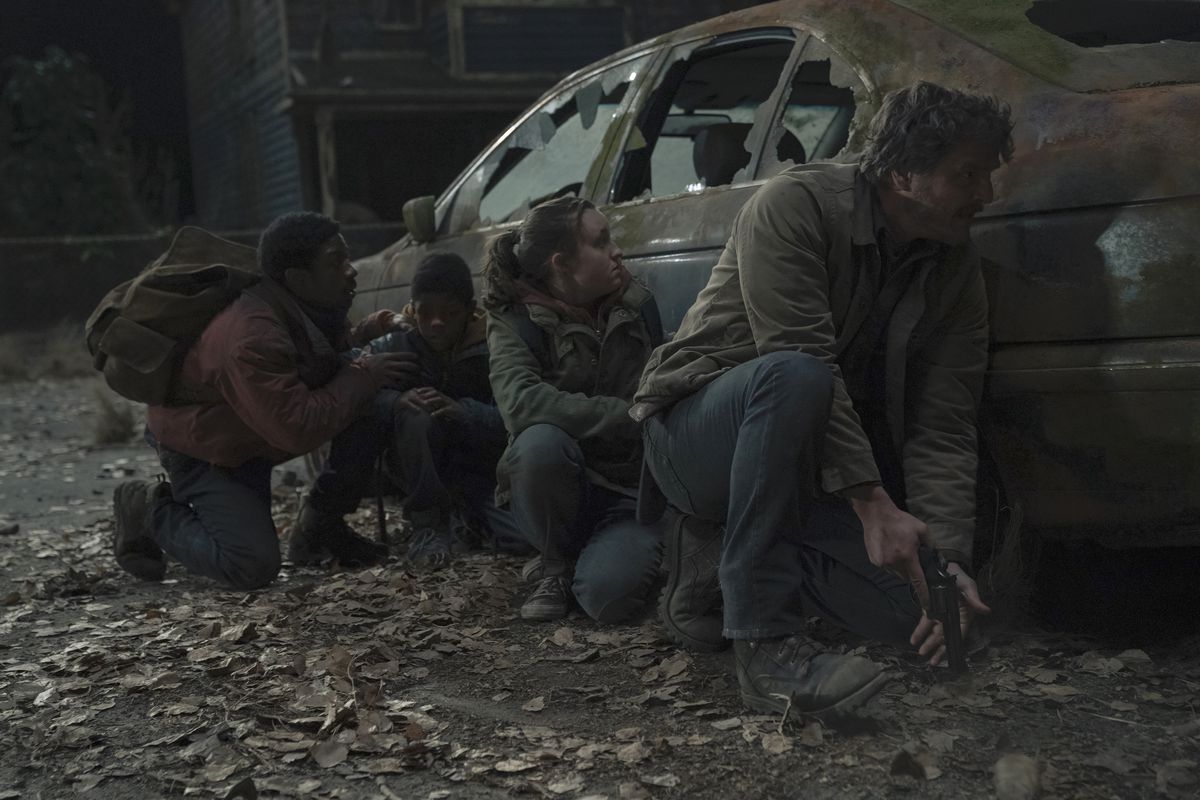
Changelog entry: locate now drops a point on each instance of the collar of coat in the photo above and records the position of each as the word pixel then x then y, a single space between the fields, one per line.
pixel 627 306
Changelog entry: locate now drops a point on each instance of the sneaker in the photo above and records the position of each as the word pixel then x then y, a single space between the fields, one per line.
pixel 319 536
pixel 532 571
pixel 135 551
pixel 690 605
pixel 549 600
pixel 778 675
pixel 430 547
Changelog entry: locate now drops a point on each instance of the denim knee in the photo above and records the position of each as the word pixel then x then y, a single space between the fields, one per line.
pixel 246 571
pixel 615 571
pixel 545 451
pixel 798 375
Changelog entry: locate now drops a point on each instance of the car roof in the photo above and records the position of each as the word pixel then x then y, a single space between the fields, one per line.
pixel 999 27
pixel 1002 27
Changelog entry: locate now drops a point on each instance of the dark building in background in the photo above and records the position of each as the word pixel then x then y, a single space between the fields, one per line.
pixel 353 107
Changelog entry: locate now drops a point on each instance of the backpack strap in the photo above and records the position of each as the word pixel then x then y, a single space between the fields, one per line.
pixel 534 338
pixel 653 319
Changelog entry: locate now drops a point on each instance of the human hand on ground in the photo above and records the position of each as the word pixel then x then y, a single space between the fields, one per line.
pixel 928 637
pixel 391 369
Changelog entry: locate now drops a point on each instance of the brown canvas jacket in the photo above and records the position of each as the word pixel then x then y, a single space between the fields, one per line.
pixel 796 274
pixel 588 391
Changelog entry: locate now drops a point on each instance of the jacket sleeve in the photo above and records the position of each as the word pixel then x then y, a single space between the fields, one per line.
pixel 259 380
pixel 525 398
pixel 940 454
pixel 780 248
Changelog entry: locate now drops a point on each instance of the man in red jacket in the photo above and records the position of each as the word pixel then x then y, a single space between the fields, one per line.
pixel 271 379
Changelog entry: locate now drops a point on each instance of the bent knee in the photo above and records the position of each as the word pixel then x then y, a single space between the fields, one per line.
pixel 800 371
pixel 613 584
pixel 247 574
pixel 545 449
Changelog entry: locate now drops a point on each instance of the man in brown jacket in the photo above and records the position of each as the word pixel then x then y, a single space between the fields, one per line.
pixel 819 401
pixel 267 380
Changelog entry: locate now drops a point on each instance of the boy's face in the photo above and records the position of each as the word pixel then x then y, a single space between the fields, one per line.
pixel 442 319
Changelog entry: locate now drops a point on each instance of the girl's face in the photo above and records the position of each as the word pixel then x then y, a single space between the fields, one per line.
pixel 594 270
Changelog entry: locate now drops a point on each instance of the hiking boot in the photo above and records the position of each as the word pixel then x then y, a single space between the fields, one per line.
pixel 778 674
pixel 690 605
pixel 136 552
pixel 549 600
pixel 319 536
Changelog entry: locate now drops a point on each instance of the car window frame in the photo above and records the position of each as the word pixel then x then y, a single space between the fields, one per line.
pixel 445 202
pixel 718 41
pixel 863 93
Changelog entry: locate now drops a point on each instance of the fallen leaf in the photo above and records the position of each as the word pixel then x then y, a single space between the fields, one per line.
pixel 776 743
pixel 1015 777
pixel 633 753
pixel 666 780
pixel 535 705
pixel 727 724
pixel 574 783
pixel 812 735
pixel 1111 761
pixel 632 791
pixel 512 765
pixel 329 753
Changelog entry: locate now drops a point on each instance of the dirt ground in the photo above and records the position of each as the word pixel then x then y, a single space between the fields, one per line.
pixel 389 684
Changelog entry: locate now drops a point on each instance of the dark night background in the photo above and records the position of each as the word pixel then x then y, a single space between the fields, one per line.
pixel 133 44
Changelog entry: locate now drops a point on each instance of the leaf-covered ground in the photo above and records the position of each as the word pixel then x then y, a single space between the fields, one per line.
pixel 386 683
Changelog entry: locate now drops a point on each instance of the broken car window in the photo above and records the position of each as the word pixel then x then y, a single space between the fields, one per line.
pixel 550 153
pixel 815 122
pixel 696 124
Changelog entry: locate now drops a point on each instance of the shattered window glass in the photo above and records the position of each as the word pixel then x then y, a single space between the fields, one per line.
pixel 550 154
pixel 696 127
pixel 815 122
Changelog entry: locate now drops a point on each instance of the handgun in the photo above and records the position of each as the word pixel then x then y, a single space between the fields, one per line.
pixel 943 605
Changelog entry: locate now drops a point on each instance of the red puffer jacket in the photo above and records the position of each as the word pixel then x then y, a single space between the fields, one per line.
pixel 247 367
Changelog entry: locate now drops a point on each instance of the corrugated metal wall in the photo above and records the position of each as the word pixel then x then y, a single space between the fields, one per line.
pixel 244 151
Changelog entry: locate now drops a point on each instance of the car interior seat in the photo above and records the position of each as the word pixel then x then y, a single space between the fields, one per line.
pixel 719 151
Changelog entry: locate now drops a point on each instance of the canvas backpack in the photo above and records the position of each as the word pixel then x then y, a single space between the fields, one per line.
pixel 140 332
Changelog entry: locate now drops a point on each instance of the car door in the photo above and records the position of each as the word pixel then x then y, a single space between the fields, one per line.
pixel 725 114
pixel 551 150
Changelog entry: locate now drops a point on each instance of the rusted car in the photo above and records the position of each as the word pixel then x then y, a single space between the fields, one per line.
pixel 1092 246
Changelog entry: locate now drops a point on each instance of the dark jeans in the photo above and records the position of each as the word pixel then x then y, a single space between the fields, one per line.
pixel 218 521
pixel 744 451
pixel 439 466
pixel 568 518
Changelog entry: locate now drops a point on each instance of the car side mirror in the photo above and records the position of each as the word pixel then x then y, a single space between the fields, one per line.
pixel 419 219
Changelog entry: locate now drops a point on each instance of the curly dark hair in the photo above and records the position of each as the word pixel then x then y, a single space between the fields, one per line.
pixel 294 240
pixel 918 125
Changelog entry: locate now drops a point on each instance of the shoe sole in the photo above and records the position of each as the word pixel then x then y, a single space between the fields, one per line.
pixel 839 710
pixel 674 632
pixel 538 616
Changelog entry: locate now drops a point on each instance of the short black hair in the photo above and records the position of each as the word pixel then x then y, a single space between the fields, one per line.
pixel 443 273
pixel 293 241
pixel 917 126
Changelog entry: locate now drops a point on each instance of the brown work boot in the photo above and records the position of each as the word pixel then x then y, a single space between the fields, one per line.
pixel 690 605
pixel 135 551
pixel 793 674
pixel 319 536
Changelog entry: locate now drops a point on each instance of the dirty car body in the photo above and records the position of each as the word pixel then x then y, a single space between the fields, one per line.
pixel 1091 248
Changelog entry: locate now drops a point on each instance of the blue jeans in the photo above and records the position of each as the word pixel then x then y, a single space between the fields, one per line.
pixel 442 465
pixel 218 521
pixel 744 451
pixel 567 518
